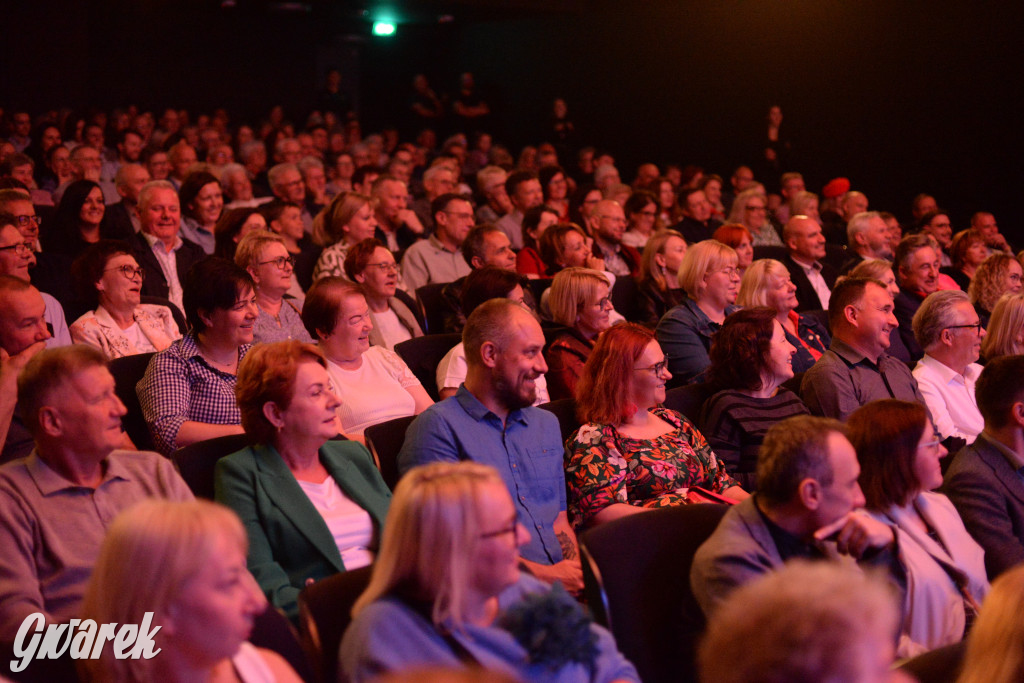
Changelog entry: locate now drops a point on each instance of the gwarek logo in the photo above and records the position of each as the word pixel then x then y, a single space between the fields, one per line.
pixel 82 639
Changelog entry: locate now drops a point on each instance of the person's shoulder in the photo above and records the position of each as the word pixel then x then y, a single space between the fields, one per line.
pixel 347 451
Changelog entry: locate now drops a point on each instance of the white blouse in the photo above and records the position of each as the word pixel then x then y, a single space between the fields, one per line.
pixel 375 392
pixel 349 524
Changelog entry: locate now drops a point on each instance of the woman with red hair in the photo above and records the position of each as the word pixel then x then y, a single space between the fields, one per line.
pixel 737 237
pixel 630 454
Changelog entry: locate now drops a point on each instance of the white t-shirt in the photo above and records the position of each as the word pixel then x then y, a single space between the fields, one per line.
pixel 391 328
pixel 452 370
pixel 349 524
pixel 137 339
pixel 375 392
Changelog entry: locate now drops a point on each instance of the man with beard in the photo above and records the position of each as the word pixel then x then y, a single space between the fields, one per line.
pixel 490 420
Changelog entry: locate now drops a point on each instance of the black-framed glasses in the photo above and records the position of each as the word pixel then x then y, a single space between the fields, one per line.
pixel 658 368
pixel 280 262
pixel 976 326
pixel 604 303
pixel 20 248
pixel 25 221
pixel 384 266
pixel 129 271
pixel 512 528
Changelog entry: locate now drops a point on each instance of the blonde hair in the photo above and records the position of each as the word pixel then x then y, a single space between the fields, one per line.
pixel 755 283
pixel 431 538
pixel 649 270
pixel 995 646
pixel 1005 328
pixel 149 554
pixel 571 290
pixel 739 205
pixel 874 268
pixel 987 284
pixel 701 259
pixel 247 253
pixel 329 225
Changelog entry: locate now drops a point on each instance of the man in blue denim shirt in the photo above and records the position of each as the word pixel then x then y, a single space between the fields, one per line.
pixel 490 421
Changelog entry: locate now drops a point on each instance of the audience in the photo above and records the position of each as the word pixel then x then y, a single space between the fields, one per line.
pixel 524 192
pixel 698 222
pixel 202 203
pixel 609 223
pixel 880 270
pixel 943 568
pixel 868 237
pixel 536 221
pixel 967 252
pixel 737 237
pixel 439 258
pixel 750 209
pixel 580 301
pixel 371 265
pixel 564 245
pixel 641 211
pixel 263 255
pixel 233 225
pixel 448 583
pixel 311 506
pixel 814 280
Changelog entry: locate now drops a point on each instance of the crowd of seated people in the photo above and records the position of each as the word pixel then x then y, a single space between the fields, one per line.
pixel 361 244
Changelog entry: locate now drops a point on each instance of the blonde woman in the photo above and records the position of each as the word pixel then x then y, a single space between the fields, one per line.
pixel 579 300
pixel 347 220
pixel 750 209
pixel 448 574
pixel 1005 331
pixel 185 563
pixel 265 257
pixel 995 647
pixel 710 278
pixel 658 287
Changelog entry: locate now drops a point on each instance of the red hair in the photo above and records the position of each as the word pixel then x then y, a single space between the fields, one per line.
pixel 732 234
pixel 601 394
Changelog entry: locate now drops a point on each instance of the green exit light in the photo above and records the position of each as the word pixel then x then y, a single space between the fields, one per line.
pixel 383 28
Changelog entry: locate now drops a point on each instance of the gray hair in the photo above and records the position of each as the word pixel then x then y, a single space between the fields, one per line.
pixel 152 186
pixel 936 313
pixel 275 173
pixel 859 223
pixel 246 151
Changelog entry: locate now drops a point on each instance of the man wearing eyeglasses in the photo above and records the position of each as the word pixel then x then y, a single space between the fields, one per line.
pixel 439 258
pixel 947 328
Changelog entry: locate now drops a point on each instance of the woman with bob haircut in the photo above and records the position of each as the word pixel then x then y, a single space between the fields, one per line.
pixel 750 209
pixel 447 586
pixel 555 187
pixel 737 237
pixel 995 646
pixel 372 265
pixel 374 384
pixel 1005 333
pixel 641 211
pixel 348 219
pixel 109 280
pixel 767 283
pixel 202 204
pixel 265 257
pixel 564 245
pixel 185 563
pixel 630 454
pixel 944 568
pixel 232 227
pixel 711 281
pixel 188 391
pixel 579 300
pixel 967 251
pixel 751 357
pixel 311 506
pixel 999 274
pixel 536 221
pixel 657 285
pixel 77 220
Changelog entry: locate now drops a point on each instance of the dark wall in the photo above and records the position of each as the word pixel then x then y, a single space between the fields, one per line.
pixel 899 97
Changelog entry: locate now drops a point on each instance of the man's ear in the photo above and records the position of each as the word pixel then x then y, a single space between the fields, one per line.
pixel 50 421
pixel 477 262
pixel 1017 413
pixel 489 354
pixel 850 312
pixel 810 493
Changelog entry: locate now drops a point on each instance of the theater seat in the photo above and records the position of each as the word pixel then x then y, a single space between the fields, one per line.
pixel 565 410
pixel 688 399
pixel 324 613
pixel 127 372
pixel 424 354
pixel 272 630
pixel 636 573
pixel 197 461
pixel 385 441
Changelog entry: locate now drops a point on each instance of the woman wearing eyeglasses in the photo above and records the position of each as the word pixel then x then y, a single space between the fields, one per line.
pixel 579 300
pixel 264 256
pixel 110 278
pixel 750 209
pixel 372 265
pixel 943 568
pixel 630 454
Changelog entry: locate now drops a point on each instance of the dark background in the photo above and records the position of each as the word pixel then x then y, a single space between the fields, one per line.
pixel 900 97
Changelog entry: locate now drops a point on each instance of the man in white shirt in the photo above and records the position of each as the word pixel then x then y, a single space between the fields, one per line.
pixel 947 328
pixel 813 279
pixel 439 258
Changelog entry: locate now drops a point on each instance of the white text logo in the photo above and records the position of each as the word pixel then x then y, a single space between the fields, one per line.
pixel 82 640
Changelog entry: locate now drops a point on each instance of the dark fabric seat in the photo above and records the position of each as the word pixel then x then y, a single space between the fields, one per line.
pixel 942 665
pixel 324 613
pixel 179 317
pixel 625 296
pixel 127 372
pixel 636 573
pixel 273 631
pixel 197 461
pixel 434 307
pixel 688 399
pixel 424 354
pixel 565 410
pixel 385 441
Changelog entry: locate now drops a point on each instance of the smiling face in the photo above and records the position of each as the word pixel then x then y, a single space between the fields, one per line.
pixel 88 413
pixel 14 258
pixel 780 357
pixel 208 204
pixel 650 373
pixel 350 337
pixel 116 290
pixel 781 293
pixel 744 253
pixel 271 279
pixel 1012 278
pixel 804 239
pixel 926 459
pixel 161 214
pixel 594 316
pixel 921 274
pixel 643 220
pixel 520 363
pixel 721 285
pixel 874 321
pixel 380 277
pixel 754 213
pixel 672 255
pixel 233 325
pixel 574 251
pixel 92 209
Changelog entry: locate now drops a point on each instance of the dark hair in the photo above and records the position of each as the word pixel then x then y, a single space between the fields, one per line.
pixel 441 203
pixel 576 203
pixel 962 241
pixel 323 303
pixel 793 450
pixel 210 284
pixel 545 175
pixel 847 292
pixel 227 228
pixel 638 200
pixel 516 179
pixel 885 435
pixel 741 349
pixel 272 210
pixel 88 268
pixel 359 255
pixel 65 231
pixel 484 284
pixel 929 217
pixel 190 189
pixel 998 388
pixel 531 219
pixel 473 245
pixel 359 175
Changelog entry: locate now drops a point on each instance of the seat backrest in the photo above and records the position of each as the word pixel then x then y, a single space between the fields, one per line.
pixel 942 665
pixel 565 410
pixel 434 307
pixel 424 354
pixel 688 399
pixel 179 317
pixel 385 441
pixel 273 631
pixel 793 383
pixel 636 571
pixel 197 461
pixel 625 297
pixel 127 372
pixel 324 613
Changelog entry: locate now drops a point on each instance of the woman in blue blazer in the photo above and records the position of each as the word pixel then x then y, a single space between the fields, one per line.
pixel 311 507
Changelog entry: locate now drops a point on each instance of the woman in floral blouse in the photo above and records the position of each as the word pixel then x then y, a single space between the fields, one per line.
pixel 630 454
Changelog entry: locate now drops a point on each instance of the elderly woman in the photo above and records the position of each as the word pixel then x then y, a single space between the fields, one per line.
pixel 311 506
pixel 737 237
pixel 372 265
pixel 657 286
pixel 348 219
pixel 265 258
pixel 967 252
pixel 579 300
pixel 447 586
pixel 110 279
pixel 188 391
pixel 881 270
pixel 535 222
pixel 944 568
pixel 750 208
pixel 641 211
pixel 630 454
pixel 708 276
pixel 202 203
pixel 999 274
pixel 751 357
pixel 183 566
pixel 374 384
pixel 767 283
pixel 76 221
pixel 233 225
pixel 1005 332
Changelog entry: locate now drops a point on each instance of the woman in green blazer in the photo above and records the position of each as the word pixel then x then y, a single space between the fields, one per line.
pixel 311 507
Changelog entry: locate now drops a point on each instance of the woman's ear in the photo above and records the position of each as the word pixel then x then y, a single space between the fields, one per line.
pixel 204 315
pixel 274 414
